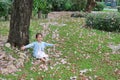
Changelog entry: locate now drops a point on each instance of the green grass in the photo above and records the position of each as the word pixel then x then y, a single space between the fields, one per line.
pixel 4 27
pixel 109 10
pixel 75 43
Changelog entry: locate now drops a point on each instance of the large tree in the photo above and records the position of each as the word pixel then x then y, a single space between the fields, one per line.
pixel 20 22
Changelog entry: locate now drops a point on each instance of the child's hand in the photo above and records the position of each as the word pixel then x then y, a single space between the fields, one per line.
pixel 23 48
pixel 55 45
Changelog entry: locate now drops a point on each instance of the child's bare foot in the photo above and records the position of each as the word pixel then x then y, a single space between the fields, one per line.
pixel 43 60
pixel 44 67
pixel 36 62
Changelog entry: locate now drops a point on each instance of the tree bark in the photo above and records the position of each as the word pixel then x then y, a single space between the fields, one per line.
pixel 90 5
pixel 39 14
pixel 20 22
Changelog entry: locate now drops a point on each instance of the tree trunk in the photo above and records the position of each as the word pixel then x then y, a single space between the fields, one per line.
pixel 39 14
pixel 6 17
pixel 90 5
pixel 20 22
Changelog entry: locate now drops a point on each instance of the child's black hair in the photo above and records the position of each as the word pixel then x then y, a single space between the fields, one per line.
pixel 38 34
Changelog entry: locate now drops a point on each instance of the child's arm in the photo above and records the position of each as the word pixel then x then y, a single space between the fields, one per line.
pixel 27 46
pixel 48 44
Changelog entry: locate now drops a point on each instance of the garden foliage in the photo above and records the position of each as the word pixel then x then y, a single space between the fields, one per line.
pixel 104 21
pixel 118 8
pixel 99 6
pixel 5 7
pixel 59 5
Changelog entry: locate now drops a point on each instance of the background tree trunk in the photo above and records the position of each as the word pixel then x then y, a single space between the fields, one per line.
pixel 90 5
pixel 39 14
pixel 19 23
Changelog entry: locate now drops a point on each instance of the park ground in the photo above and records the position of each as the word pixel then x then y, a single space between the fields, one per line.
pixel 82 52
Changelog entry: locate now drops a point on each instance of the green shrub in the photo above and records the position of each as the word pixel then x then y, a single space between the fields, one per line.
pixel 5 8
pixel 41 5
pixel 104 21
pixel 99 6
pixel 67 5
pixel 118 2
pixel 118 8
pixel 78 5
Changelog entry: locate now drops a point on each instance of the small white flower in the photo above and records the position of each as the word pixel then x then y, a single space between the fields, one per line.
pixel 73 78
pixel 51 67
pixel 38 72
pixel 31 79
pixel 95 76
pixel 7 45
pixel 90 69
pixel 83 71
pixel 63 61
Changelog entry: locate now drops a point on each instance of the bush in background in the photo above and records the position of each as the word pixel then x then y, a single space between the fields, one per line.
pixel 68 5
pixel 104 21
pixel 118 8
pixel 78 5
pixel 5 8
pixel 118 2
pixel 99 6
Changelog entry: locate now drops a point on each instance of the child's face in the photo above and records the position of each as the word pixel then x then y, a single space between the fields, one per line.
pixel 39 38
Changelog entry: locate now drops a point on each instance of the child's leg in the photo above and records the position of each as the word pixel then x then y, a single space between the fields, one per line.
pixel 44 65
pixel 43 60
pixel 47 61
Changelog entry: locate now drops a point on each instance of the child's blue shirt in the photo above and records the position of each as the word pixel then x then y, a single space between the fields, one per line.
pixel 38 46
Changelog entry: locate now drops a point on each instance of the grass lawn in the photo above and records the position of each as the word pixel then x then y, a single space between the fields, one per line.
pixel 80 48
pixel 109 10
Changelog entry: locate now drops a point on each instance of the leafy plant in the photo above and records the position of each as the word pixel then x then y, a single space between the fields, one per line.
pixel 5 7
pixel 99 6
pixel 104 21
pixel 68 5
pixel 41 5
pixel 118 2
pixel 118 8
pixel 58 5
pixel 78 5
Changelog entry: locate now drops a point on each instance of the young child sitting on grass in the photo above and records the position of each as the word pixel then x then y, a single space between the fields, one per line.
pixel 38 48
